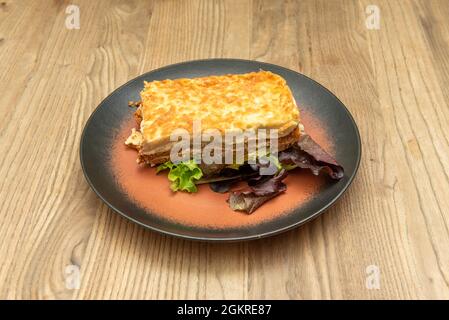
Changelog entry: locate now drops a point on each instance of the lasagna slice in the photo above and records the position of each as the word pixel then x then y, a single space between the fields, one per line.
pixel 252 101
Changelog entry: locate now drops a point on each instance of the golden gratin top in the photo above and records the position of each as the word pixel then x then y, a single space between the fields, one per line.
pixel 235 101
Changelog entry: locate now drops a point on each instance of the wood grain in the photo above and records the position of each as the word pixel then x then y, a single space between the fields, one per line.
pixel 393 80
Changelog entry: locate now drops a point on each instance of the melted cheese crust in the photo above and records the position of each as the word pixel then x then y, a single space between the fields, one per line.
pixel 236 101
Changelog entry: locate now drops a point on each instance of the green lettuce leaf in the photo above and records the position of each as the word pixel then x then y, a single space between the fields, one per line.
pixel 164 166
pixel 182 175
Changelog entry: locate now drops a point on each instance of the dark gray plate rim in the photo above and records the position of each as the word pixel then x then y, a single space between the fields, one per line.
pixel 234 238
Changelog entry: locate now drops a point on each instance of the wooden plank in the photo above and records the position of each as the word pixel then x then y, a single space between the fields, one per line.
pixel 47 208
pixel 415 137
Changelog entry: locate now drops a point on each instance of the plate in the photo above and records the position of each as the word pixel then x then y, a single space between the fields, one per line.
pixel 142 196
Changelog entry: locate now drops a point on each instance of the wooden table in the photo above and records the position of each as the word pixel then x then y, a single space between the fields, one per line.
pixel 393 222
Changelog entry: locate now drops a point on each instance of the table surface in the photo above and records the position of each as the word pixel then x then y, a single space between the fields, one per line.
pixel 388 236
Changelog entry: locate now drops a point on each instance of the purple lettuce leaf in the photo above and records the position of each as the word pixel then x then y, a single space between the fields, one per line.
pixel 307 154
pixel 223 186
pixel 253 196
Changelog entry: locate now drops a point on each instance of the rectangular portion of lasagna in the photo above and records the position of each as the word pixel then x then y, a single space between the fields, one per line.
pixel 225 104
pixel 244 101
